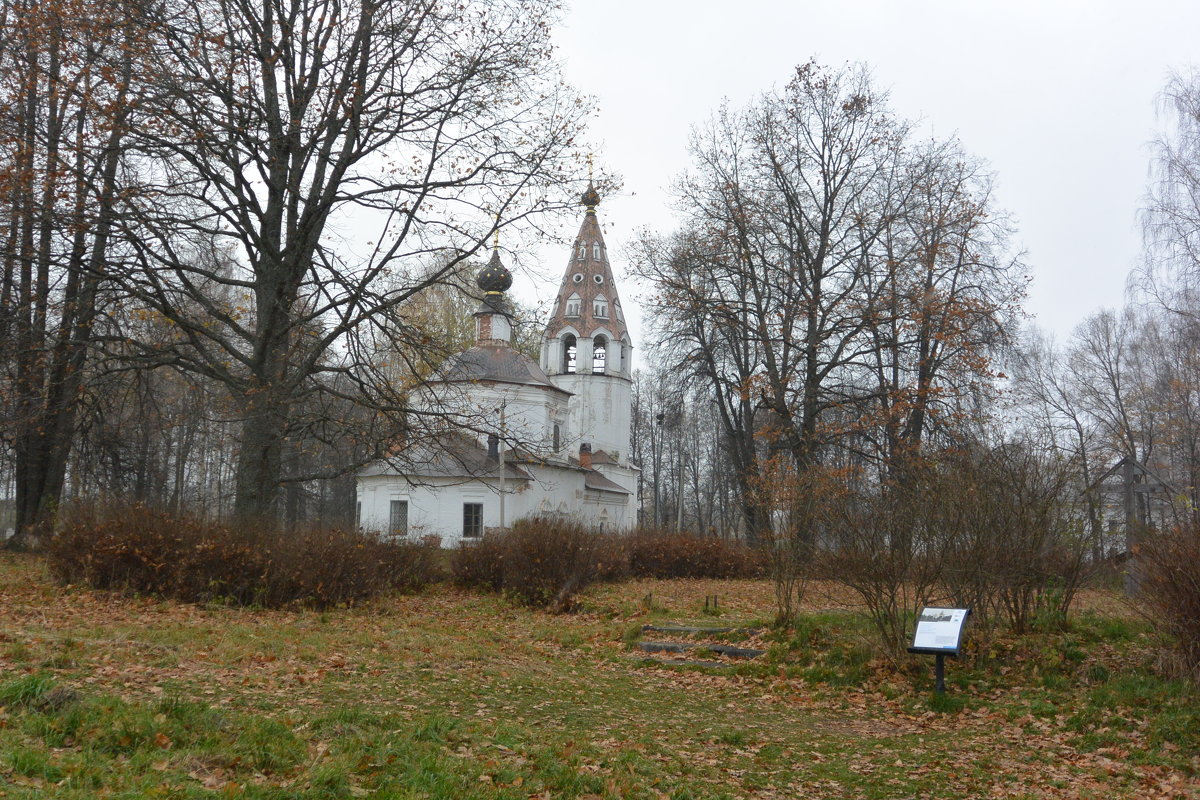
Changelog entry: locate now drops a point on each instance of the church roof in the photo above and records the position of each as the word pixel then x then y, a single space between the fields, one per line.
pixel 588 276
pixel 500 363
pixel 594 480
pixel 602 457
pixel 449 456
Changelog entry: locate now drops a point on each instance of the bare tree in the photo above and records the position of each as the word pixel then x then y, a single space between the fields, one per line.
pixel 1170 272
pixel 838 289
pixel 304 163
pixel 700 321
pixel 1113 371
pixel 943 297
pixel 1053 417
pixel 65 84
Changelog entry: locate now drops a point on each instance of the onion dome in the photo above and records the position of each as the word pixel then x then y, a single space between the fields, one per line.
pixel 495 277
pixel 591 198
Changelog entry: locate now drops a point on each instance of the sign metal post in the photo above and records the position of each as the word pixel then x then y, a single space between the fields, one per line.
pixel 939 633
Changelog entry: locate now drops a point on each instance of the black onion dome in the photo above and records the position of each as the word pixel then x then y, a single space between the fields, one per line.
pixel 495 277
pixel 591 198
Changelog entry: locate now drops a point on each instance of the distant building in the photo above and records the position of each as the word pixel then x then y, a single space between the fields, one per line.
pixel 569 416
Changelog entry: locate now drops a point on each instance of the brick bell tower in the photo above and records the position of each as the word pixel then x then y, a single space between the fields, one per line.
pixel 586 348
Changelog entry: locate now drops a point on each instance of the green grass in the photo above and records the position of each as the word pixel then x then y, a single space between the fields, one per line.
pixel 454 695
pixel 947 703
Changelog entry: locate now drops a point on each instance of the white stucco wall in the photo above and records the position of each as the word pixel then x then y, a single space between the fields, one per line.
pixel 626 477
pixel 601 411
pixel 435 505
pixel 530 412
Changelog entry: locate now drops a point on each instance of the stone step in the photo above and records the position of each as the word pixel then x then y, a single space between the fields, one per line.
pixel 687 630
pixel 684 647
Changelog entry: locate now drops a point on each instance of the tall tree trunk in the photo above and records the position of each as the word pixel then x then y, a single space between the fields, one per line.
pixel 51 363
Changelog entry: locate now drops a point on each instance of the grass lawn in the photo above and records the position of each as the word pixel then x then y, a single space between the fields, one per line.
pixel 456 695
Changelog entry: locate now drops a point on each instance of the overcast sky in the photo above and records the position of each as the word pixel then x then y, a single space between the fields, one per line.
pixel 1057 95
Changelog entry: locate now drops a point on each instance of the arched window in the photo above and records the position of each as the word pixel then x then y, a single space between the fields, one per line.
pixel 573 303
pixel 557 438
pixel 568 353
pixel 600 307
pixel 599 351
pixel 582 251
pixel 596 250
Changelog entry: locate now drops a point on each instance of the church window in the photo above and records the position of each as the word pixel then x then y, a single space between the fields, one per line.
pixel 573 303
pixel 582 251
pixel 600 307
pixel 577 277
pixel 557 438
pixel 599 279
pixel 398 524
pixel 599 351
pixel 596 250
pixel 569 349
pixel 617 311
pixel 472 520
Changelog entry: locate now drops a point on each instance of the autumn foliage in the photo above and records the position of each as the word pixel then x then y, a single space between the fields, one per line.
pixel 137 549
pixel 656 553
pixel 1170 593
pixel 540 561
pixel 545 562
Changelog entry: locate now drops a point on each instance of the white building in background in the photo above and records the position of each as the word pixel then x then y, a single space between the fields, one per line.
pixel 566 421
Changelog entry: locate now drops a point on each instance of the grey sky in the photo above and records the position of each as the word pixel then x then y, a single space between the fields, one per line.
pixel 1058 96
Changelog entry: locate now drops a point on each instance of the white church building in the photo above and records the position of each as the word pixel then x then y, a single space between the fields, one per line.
pixel 549 438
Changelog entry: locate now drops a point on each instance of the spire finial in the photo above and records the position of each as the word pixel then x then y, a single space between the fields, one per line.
pixel 496 238
pixel 591 198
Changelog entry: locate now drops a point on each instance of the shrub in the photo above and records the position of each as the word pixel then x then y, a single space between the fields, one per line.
pixel 807 505
pixel 540 561
pixel 1169 591
pixel 546 562
pixel 1010 549
pixel 980 527
pixel 142 550
pixel 478 564
pixel 655 553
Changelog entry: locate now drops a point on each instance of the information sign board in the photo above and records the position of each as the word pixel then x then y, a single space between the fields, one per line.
pixel 939 631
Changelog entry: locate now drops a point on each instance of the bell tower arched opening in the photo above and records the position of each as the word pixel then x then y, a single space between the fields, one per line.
pixel 569 351
pixel 599 354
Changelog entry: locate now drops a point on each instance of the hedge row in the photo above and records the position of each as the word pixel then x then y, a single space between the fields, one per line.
pixel 546 562
pixel 137 549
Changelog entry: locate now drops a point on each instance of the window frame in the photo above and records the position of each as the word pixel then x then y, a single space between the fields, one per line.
pixel 393 531
pixel 472 527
